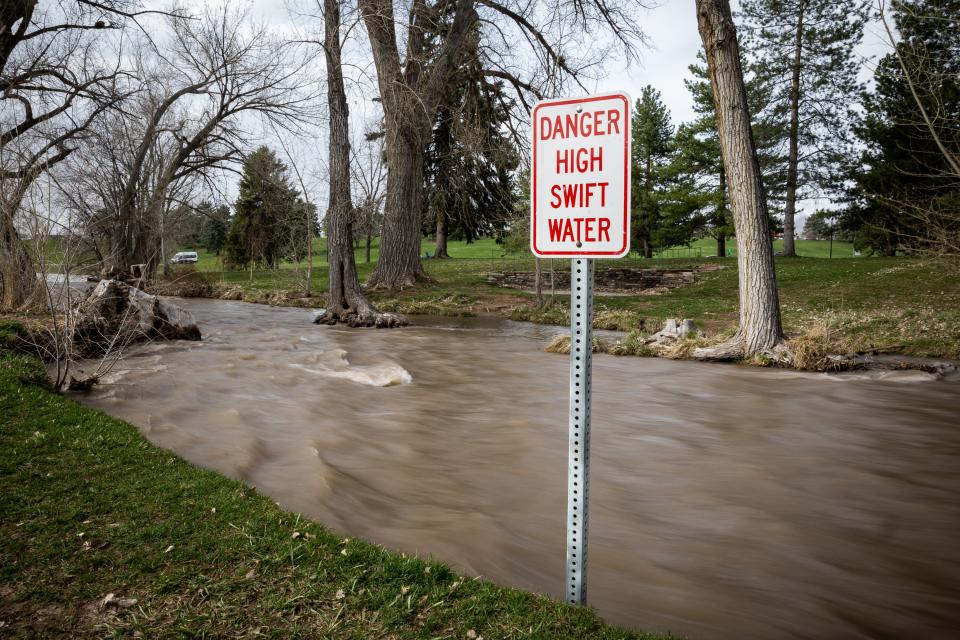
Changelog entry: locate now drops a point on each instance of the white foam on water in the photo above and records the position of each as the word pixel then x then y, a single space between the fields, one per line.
pixel 334 364
pixel 887 375
pixel 896 375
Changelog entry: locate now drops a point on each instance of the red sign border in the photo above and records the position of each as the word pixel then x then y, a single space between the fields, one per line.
pixel 626 179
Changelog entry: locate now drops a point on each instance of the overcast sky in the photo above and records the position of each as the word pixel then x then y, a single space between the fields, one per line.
pixel 671 27
pixel 674 40
pixel 674 43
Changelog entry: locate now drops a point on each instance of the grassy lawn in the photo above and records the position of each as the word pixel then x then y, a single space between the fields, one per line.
pixel 484 248
pixel 488 249
pixel 90 508
pixel 707 247
pixel 907 305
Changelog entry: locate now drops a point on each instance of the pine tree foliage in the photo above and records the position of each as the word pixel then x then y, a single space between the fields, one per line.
pixel 517 236
pixel 215 226
pixel 268 222
pixel 805 49
pixel 698 165
pixel 907 192
pixel 662 211
pixel 471 158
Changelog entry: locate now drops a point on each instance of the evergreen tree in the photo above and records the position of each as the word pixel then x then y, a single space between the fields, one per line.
pixel 471 158
pixel 266 214
pixel 806 51
pixel 655 220
pixel 215 226
pixel 698 170
pixel 698 164
pixel 907 193
pixel 824 225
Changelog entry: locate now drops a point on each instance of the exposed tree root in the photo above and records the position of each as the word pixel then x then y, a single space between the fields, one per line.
pixel 82 385
pixel 366 316
pixel 736 349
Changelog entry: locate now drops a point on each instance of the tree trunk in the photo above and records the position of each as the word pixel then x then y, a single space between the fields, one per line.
pixel 648 203
pixel 347 303
pixel 367 249
pixel 309 283
pixel 411 92
pixel 790 208
pixel 720 216
pixel 132 244
pixel 760 332
pixel 399 263
pixel 18 278
pixel 163 255
pixel 440 251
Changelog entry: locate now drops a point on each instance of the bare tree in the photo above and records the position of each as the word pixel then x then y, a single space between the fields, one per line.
pixel 75 336
pixel 369 182
pixel 53 84
pixel 309 210
pixel 410 94
pixel 213 75
pixel 412 86
pixel 760 332
pixel 100 174
pixel 347 302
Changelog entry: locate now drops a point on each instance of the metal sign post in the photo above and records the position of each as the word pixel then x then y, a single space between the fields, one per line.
pixel 580 209
pixel 578 465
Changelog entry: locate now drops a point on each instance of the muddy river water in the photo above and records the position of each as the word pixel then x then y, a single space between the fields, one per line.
pixel 726 502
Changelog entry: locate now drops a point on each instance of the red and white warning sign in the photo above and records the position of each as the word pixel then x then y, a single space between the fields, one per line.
pixel 580 179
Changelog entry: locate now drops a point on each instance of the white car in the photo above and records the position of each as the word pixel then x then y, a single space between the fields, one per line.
pixel 185 257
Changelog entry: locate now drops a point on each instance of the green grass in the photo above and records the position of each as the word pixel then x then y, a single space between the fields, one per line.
pixel 468 264
pixel 908 305
pixel 488 249
pixel 707 247
pixel 91 508
pixel 484 248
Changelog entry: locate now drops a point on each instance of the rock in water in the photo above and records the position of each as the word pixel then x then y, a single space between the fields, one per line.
pixel 673 330
pixel 115 313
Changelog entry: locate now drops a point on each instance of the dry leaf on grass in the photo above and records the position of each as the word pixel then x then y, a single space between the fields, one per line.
pixel 111 600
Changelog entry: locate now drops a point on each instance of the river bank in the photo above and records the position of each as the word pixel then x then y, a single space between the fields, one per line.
pixel 106 534
pixel 841 314
pixel 907 307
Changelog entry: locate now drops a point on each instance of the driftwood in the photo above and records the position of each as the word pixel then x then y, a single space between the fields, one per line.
pixel 115 313
pixel 871 361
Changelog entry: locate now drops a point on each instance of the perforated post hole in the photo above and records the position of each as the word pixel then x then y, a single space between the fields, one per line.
pixel 578 475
